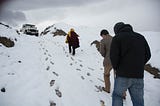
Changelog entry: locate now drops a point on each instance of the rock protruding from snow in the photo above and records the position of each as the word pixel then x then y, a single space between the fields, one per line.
pixel 6 42
pixel 59 32
pixel 3 90
pixel 53 30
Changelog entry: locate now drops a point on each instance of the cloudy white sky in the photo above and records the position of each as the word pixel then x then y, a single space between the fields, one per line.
pixel 142 14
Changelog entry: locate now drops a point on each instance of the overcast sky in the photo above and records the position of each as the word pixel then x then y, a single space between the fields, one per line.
pixel 141 14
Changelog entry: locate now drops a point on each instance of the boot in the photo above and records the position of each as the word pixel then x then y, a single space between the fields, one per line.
pixel 104 89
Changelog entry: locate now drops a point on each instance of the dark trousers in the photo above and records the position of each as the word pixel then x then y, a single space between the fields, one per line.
pixel 71 49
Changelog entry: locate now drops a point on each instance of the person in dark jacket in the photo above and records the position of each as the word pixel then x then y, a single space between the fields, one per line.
pixel 72 40
pixel 129 53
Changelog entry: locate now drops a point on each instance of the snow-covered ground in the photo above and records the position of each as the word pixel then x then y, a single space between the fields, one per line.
pixel 39 70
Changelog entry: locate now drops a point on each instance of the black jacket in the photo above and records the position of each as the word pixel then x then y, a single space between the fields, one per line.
pixel 129 52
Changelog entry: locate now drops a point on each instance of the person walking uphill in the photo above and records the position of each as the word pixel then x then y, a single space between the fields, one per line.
pixel 129 53
pixel 72 40
pixel 105 52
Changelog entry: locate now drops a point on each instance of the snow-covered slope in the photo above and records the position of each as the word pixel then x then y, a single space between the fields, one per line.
pixel 38 71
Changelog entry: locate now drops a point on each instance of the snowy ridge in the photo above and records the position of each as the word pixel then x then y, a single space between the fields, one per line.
pixel 39 71
pixel 7 31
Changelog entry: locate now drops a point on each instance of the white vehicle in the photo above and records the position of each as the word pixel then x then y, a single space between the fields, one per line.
pixel 29 29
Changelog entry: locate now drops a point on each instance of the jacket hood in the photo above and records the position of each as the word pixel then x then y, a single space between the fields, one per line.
pixel 121 27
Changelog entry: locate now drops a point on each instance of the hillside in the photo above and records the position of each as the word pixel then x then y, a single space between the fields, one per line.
pixel 39 71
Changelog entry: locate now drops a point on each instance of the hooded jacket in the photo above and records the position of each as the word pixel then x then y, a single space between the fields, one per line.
pixel 129 52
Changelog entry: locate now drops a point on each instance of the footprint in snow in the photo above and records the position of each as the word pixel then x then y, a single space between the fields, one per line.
pixel 91 80
pixel 82 77
pixel 79 60
pixel 11 73
pixel 52 83
pixel 78 69
pixel 46 50
pixel 72 59
pixel 49 55
pixel 81 65
pixel 71 64
pixel 100 80
pixel 65 53
pixel 90 68
pixel 88 74
pixel 52 103
pixel 99 88
pixel 48 68
pixel 55 74
pixel 63 49
pixel 46 59
pixel 51 62
pixel 58 93
pixel 102 103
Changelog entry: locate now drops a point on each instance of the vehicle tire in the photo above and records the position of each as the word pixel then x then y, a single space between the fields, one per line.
pixel 37 34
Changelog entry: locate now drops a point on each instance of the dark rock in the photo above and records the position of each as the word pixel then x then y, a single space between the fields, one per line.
pixel 59 32
pixel 6 42
pixel 5 25
pixel 3 90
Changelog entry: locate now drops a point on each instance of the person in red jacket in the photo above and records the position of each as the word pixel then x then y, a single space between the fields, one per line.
pixel 72 40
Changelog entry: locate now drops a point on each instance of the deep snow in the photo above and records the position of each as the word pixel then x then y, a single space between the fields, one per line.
pixel 27 69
